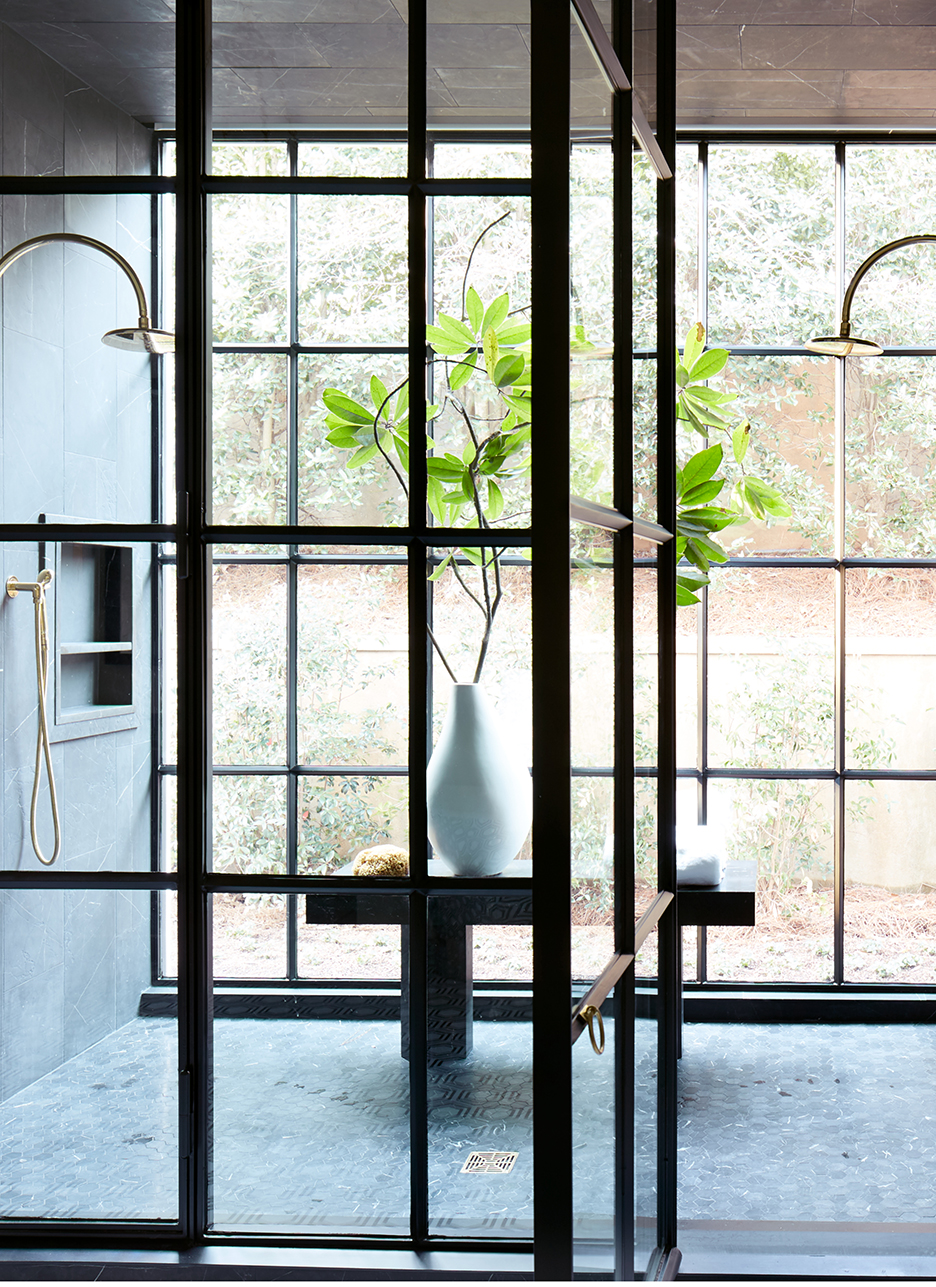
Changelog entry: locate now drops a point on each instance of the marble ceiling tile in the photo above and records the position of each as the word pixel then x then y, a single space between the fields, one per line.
pixel 474 11
pixel 795 48
pixel 473 45
pixel 774 12
pixel 270 44
pixel 87 11
pixel 735 90
pixel 904 13
pixel 882 89
pixel 712 47
pixel 85 45
pixel 487 87
pixel 263 11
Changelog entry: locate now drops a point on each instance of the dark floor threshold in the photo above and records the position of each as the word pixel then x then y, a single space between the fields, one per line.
pixel 795 1007
pixel 306 1003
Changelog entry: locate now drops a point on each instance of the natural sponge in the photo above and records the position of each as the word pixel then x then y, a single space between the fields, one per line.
pixel 382 860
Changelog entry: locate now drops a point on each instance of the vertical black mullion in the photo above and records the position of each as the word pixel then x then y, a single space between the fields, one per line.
pixel 552 1062
pixel 623 544
pixel 193 89
pixel 669 997
pixel 702 612
pixel 838 827
pixel 419 741
pixel 292 581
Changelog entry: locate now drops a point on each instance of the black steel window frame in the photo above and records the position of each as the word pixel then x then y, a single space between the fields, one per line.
pixel 839 564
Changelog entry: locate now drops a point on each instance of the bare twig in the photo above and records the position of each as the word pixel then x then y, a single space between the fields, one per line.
pixel 481 234
pixel 435 644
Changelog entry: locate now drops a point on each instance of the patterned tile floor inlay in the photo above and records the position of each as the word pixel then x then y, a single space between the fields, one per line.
pixel 311 1129
pixel 807 1122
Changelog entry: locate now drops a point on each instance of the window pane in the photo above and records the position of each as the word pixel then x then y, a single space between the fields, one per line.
pixel 505 160
pixel 335 160
pixel 890 428
pixel 889 664
pixel 249 663
pixel 311 1115
pixel 372 492
pixel 353 673
pixel 249 824
pixel 263 160
pixel 249 438
pixel 250 273
pixel 688 286
pixel 352 270
pixel 341 815
pixel 787 827
pixel 592 876
pixel 890 890
pixel 248 936
pixel 875 215
pixel 771 223
pixel 89 1087
pixel 771 675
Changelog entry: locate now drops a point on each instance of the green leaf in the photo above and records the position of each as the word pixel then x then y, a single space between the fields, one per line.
pixel 740 440
pixel 461 374
pixel 455 329
pixel 364 455
pixel 442 566
pixel 769 498
pixel 434 498
pixel 474 308
pixel 378 392
pixel 516 333
pixel 402 402
pixel 702 393
pixel 443 469
pixel 508 369
pixel 495 505
pixel 702 410
pixel 703 492
pixel 496 312
pixel 700 467
pixel 695 342
pixel 468 452
pixel 441 342
pixel 473 556
pixel 685 412
pixel 347 408
pixel 342 437
pixel 710 363
pixel 682 375
pixel 491 351
pixel 521 403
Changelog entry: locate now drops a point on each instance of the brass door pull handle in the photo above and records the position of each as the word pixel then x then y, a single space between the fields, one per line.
pixel 588 1014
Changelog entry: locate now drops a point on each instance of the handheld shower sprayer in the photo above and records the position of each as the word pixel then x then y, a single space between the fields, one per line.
pixel 38 590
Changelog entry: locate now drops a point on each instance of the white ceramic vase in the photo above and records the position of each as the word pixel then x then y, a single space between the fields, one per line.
pixel 479 794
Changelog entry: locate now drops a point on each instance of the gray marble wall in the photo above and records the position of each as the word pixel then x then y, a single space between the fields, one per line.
pixel 74 442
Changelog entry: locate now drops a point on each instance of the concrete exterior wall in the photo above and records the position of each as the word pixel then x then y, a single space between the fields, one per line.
pixel 75 443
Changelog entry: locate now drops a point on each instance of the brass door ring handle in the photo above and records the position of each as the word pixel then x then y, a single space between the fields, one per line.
pixel 588 1014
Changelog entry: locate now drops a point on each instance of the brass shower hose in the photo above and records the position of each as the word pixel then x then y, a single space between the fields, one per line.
pixel 38 588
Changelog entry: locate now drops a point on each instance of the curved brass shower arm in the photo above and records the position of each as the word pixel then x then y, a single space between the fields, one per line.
pixel 845 328
pixel 25 247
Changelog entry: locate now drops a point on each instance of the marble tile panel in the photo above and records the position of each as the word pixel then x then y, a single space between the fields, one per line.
pixel 132 947
pixel 284 44
pixel 318 89
pixel 22 11
pixel 32 1021
pixel 708 47
pixel 729 92
pixel 31 934
pixel 32 287
pixel 475 45
pixel 472 11
pixel 134 147
pixel 90 979
pixel 28 216
pixel 29 150
pixel 88 796
pixel 32 417
pixel 910 13
pixel 772 12
pixel 849 48
pixel 144 92
pixel 90 488
pixel 33 85
pixel 351 11
pixel 887 89
pixel 90 130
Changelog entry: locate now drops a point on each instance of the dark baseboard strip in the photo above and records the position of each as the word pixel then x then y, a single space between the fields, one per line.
pixel 306 1003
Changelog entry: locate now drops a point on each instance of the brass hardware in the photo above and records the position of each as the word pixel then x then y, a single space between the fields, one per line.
pixel 37 589
pixel 588 1014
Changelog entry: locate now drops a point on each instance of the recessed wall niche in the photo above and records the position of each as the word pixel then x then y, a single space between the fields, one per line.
pixel 93 615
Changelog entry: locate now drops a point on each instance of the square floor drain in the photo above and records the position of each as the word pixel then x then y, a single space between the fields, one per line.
pixel 489 1163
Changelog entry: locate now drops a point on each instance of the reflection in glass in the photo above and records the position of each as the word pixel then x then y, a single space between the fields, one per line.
pixel 311 1118
pixel 786 826
pixel 249 668
pixel 352 266
pixel 890 889
pixel 889 662
pixel 90 1111
pixel 249 440
pixel 771 260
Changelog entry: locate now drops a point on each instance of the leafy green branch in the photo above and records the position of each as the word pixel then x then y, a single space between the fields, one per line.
pixel 699 483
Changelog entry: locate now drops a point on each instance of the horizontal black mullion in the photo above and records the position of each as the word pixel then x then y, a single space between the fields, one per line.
pixel 309 770
pixel 91 185
pixel 302 535
pixel 227 883
pixel 137 533
pixel 285 349
pixel 310 186
pixel 147 880
pixel 801 775
pixel 850 134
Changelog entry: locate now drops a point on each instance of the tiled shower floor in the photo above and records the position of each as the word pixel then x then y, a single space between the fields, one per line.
pixel 311 1130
